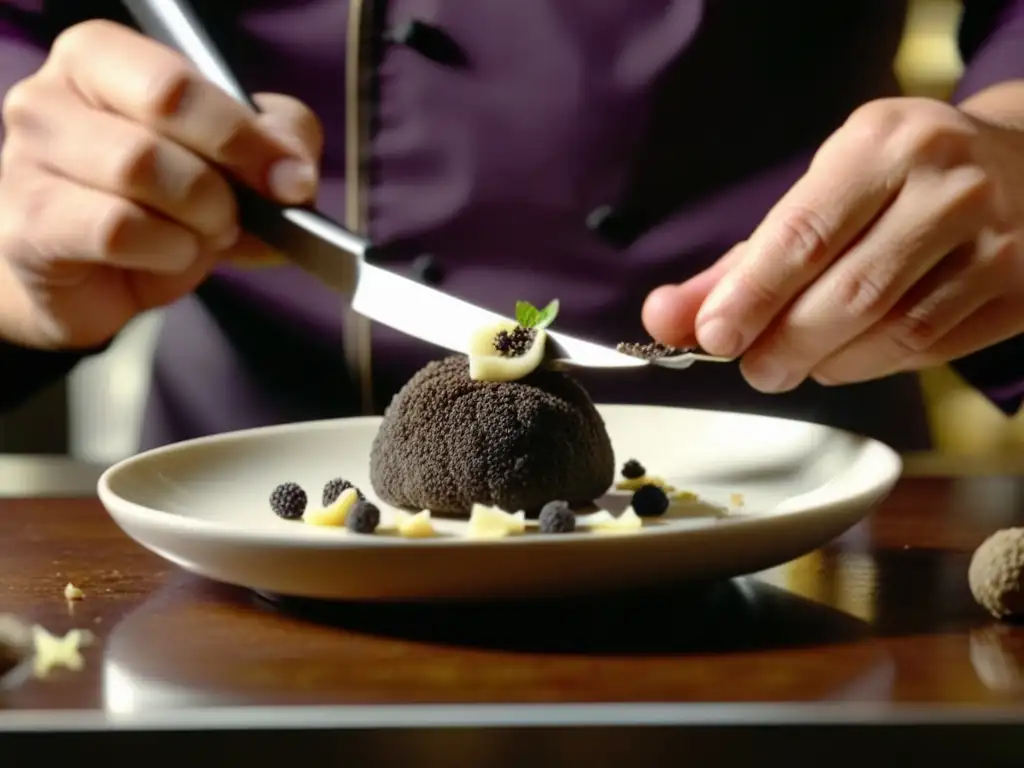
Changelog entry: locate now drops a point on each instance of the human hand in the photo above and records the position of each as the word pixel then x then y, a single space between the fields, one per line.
pixel 111 197
pixel 902 247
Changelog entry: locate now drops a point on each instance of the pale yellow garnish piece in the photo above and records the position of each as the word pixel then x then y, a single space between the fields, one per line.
pixel 333 516
pixel 626 522
pixel 51 651
pixel 736 499
pixel 684 496
pixel 71 592
pixel 492 523
pixel 486 363
pixel 418 526
pixel 605 522
pixel 635 483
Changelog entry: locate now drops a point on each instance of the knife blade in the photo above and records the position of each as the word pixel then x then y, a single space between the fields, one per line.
pixel 328 251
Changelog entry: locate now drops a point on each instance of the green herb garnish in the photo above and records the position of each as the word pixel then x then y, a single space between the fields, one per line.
pixel 528 316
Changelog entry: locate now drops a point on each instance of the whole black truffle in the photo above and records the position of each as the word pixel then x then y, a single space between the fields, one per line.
pixel 447 442
pixel 649 501
pixel 288 500
pixel 633 470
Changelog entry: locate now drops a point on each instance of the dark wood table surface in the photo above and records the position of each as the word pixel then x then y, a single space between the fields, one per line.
pixel 879 628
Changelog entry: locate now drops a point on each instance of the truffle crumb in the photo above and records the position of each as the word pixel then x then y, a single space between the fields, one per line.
pixel 516 343
pixel 556 517
pixel 651 350
pixel 633 470
pixel 364 517
pixel 996 571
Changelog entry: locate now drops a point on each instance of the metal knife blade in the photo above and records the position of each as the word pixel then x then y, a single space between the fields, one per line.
pixel 330 252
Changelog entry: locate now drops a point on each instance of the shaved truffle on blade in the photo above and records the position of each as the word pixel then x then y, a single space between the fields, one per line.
pixel 447 442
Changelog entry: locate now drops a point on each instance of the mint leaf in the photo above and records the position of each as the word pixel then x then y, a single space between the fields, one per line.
pixel 527 315
pixel 547 315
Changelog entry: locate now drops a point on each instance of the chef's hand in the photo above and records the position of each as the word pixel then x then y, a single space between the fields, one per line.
pixel 110 201
pixel 902 247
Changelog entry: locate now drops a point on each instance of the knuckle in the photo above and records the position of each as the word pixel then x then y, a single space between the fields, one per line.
pixel 873 124
pixel 209 200
pixel 230 141
pixel 169 89
pixel 115 227
pixel 932 138
pixel 972 189
pixel 20 106
pixel 915 332
pixel 861 295
pixel 802 237
pixel 77 41
pixel 135 166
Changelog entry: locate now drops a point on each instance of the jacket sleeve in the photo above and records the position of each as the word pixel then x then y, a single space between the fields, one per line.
pixel 23 43
pixel 991 40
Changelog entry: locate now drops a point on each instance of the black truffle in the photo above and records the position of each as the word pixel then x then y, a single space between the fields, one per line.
pixel 447 442
pixel 633 470
pixel 289 501
pixel 333 489
pixel 650 501
pixel 364 517
pixel 556 517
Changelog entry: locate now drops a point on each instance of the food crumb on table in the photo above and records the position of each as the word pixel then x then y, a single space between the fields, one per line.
pixel 71 592
pixel 51 651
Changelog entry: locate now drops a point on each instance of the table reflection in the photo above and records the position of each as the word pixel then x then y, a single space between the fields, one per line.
pixel 197 644
pixel 997 655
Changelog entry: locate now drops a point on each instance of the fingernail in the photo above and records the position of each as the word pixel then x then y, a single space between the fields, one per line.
pixel 719 337
pixel 768 376
pixel 292 181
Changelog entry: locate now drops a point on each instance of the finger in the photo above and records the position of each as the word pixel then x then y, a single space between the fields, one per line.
pixel 669 311
pixel 292 122
pixel 996 321
pixel 62 220
pixel 842 192
pixel 952 292
pixel 107 152
pixel 120 70
pixel 252 253
pixel 930 218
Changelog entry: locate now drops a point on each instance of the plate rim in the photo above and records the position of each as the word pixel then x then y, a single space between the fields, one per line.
pixel 151 518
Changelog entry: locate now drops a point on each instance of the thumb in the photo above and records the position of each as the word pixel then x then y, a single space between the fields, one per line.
pixel 670 311
pixel 294 125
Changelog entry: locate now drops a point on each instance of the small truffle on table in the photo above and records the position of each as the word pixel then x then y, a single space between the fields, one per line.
pixel 447 442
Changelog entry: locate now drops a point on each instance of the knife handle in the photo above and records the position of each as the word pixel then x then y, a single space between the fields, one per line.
pixel 176 24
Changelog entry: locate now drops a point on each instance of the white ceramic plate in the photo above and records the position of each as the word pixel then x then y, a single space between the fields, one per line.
pixel 203 504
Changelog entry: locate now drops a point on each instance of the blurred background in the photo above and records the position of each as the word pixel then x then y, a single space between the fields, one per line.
pixel 103 399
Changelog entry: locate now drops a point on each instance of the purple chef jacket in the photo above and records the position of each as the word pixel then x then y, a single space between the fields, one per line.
pixel 527 150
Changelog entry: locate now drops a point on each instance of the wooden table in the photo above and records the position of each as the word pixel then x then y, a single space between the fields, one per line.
pixel 827 652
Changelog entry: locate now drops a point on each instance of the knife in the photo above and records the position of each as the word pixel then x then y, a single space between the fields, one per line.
pixel 324 248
